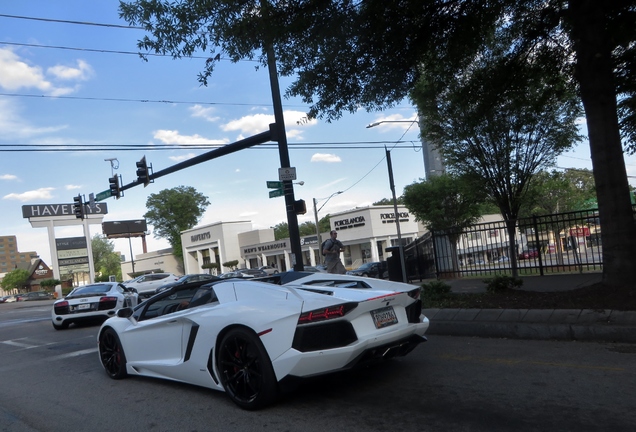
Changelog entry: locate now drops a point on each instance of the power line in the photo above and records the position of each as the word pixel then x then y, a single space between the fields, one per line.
pixel 105 51
pixel 88 23
pixel 352 145
pixel 105 99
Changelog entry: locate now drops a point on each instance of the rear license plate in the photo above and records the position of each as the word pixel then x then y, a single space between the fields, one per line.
pixel 384 317
pixel 84 306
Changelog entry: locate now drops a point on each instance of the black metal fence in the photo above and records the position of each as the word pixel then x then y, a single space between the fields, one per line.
pixel 557 243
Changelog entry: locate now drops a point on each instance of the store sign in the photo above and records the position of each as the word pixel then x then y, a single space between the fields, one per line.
pixel 264 248
pixel 353 222
pixel 200 237
pixel 309 241
pixel 72 255
pixel 580 232
pixel 49 210
pixel 390 217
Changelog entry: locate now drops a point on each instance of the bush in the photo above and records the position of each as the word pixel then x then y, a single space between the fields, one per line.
pixel 501 283
pixel 435 290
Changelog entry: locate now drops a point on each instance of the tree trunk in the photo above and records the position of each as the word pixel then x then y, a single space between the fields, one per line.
pixel 594 72
pixel 511 227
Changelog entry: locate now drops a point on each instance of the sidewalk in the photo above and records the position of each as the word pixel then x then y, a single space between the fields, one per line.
pixel 561 324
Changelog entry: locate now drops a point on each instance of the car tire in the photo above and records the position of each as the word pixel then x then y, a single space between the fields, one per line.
pixel 365 275
pixel 245 370
pixel 111 354
pixel 62 326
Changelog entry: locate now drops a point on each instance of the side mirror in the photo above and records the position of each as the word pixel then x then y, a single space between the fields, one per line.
pixel 132 290
pixel 125 312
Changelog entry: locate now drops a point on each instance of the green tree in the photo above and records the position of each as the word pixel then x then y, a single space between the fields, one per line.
pixel 502 130
pixel 557 191
pixel 446 204
pixel 325 224
pixel 15 279
pixel 107 262
pixel 174 210
pixel 389 201
pixel 49 283
pixel 281 230
pixel 231 264
pixel 348 54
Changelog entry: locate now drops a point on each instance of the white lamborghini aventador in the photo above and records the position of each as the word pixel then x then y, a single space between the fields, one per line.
pixel 246 337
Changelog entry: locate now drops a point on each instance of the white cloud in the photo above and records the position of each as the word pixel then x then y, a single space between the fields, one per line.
pixel 205 113
pixel 16 74
pixel 182 157
pixel 173 137
pixel 331 184
pixel 38 194
pixel 12 125
pixel 257 123
pixel 248 214
pixel 8 177
pixel 396 121
pixel 325 157
pixel 82 72
pixel 72 187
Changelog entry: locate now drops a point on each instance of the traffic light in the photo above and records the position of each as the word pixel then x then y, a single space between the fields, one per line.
pixel 300 207
pixel 78 207
pixel 114 186
pixel 143 175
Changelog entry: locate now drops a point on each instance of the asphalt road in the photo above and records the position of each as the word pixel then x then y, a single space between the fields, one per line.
pixel 52 381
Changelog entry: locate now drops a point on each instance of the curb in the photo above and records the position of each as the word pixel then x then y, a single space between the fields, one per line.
pixel 541 324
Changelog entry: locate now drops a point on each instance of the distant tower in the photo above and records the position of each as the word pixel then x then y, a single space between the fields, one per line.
pixel 433 163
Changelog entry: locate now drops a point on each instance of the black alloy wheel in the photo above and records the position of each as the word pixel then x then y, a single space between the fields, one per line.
pixel 245 370
pixel 112 354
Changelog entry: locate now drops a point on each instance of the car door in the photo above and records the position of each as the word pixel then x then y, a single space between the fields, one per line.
pixel 158 341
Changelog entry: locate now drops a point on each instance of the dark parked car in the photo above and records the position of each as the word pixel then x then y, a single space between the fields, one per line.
pixel 253 272
pixel 36 295
pixel 187 279
pixel 244 274
pixel 377 269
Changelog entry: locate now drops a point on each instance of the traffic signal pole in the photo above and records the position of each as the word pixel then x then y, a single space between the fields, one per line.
pixel 281 137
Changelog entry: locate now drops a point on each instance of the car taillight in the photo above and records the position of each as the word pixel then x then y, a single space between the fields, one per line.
pixel 61 304
pixel 327 313
pixel 108 299
pixel 415 294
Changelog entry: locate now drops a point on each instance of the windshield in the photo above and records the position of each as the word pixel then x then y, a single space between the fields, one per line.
pixel 90 290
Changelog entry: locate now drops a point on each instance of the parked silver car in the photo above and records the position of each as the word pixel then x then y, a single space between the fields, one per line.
pixel 146 284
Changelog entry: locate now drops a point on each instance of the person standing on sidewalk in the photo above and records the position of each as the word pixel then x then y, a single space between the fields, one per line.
pixel 331 250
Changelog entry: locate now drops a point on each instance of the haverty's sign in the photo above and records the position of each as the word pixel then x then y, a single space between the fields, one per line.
pixel 50 210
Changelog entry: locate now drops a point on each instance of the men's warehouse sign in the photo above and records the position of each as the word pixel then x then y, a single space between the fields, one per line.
pixel 49 210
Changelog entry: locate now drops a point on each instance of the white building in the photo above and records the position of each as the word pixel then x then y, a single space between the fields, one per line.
pixel 366 233
pixel 214 243
pixel 161 261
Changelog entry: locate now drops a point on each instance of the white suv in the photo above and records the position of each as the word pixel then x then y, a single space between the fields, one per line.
pixel 146 284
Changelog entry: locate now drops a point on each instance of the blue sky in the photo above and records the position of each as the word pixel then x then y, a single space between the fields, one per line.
pixel 93 97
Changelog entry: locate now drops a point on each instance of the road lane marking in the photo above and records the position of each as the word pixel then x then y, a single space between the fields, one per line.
pixel 72 354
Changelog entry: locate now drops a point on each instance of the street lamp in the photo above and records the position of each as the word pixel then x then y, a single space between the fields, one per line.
pixel 316 210
pixel 397 215
pixel 433 164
